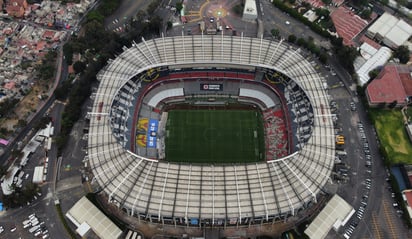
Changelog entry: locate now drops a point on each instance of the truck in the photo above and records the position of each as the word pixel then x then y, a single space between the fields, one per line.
pixel 33 229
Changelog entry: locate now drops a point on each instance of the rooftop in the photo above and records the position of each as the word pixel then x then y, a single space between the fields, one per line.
pixel 348 25
pixel 388 87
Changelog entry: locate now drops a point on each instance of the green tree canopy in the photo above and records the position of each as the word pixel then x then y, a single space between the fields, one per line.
pixel 79 66
pixel 402 53
pixel 275 33
pixel 292 38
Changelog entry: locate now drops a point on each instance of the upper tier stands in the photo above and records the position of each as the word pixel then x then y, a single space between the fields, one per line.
pixel 166 192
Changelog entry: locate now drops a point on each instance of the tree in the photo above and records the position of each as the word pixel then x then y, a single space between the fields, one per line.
pixel 179 6
pixel 323 13
pixel 140 16
pixel 21 123
pixel 301 42
pixel 323 58
pixel 402 53
pixel 373 73
pixel 275 33
pixel 63 90
pixel 393 104
pixel 237 9
pixel 79 66
pixel 169 25
pixel 95 16
pixel 152 7
pixel 346 56
pixel 400 3
pixel 292 38
pixel 68 53
pixel 366 14
pixel 337 41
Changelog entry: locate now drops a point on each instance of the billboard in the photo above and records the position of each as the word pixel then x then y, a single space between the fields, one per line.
pixel 152 133
pixel 211 87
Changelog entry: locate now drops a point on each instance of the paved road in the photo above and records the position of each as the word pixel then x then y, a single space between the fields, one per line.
pixel 380 219
pixel 126 10
pixel 43 206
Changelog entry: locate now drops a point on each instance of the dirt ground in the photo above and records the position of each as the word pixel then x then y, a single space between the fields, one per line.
pixel 26 107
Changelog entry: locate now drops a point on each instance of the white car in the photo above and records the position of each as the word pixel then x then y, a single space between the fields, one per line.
pixel 1 229
pixel 287 22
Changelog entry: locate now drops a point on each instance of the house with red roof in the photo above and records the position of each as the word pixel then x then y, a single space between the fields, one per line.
pixel 348 25
pixel 16 8
pixel 48 35
pixel 393 84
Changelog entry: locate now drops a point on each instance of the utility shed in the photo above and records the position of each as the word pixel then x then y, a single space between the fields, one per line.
pixel 335 214
pixel 250 11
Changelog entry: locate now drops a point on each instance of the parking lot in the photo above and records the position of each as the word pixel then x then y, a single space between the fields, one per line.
pixel 360 172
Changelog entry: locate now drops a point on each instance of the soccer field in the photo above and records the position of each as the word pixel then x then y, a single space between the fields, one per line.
pixel 214 136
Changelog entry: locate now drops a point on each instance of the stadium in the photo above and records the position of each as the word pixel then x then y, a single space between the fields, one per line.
pixel 210 131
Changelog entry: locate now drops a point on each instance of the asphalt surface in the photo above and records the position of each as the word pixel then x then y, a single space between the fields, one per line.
pixel 43 206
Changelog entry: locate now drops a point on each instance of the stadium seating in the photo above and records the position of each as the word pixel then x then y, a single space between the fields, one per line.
pixel 219 195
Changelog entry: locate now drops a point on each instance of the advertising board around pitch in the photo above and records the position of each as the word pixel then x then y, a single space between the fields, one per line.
pixel 211 87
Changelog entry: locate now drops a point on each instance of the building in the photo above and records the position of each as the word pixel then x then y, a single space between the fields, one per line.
pixel 191 194
pixel 250 11
pixel 348 25
pixel 371 57
pixel 393 84
pixel 390 30
pixel 335 214
pixel 407 197
pixel 85 215
pixel 311 15
pixel 16 8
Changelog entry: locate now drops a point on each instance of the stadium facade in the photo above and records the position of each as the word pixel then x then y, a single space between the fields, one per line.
pixel 268 74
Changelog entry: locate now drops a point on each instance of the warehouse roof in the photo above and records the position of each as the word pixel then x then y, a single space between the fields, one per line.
pixel 391 29
pixel 335 214
pixel 85 212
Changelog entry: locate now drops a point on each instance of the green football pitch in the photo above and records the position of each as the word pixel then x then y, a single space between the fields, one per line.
pixel 214 136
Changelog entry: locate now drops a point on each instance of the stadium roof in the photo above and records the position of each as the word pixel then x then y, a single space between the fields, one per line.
pixel 335 214
pixel 158 189
pixel 86 215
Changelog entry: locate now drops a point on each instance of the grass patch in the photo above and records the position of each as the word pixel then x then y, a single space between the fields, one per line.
pixel 214 136
pixel 392 134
